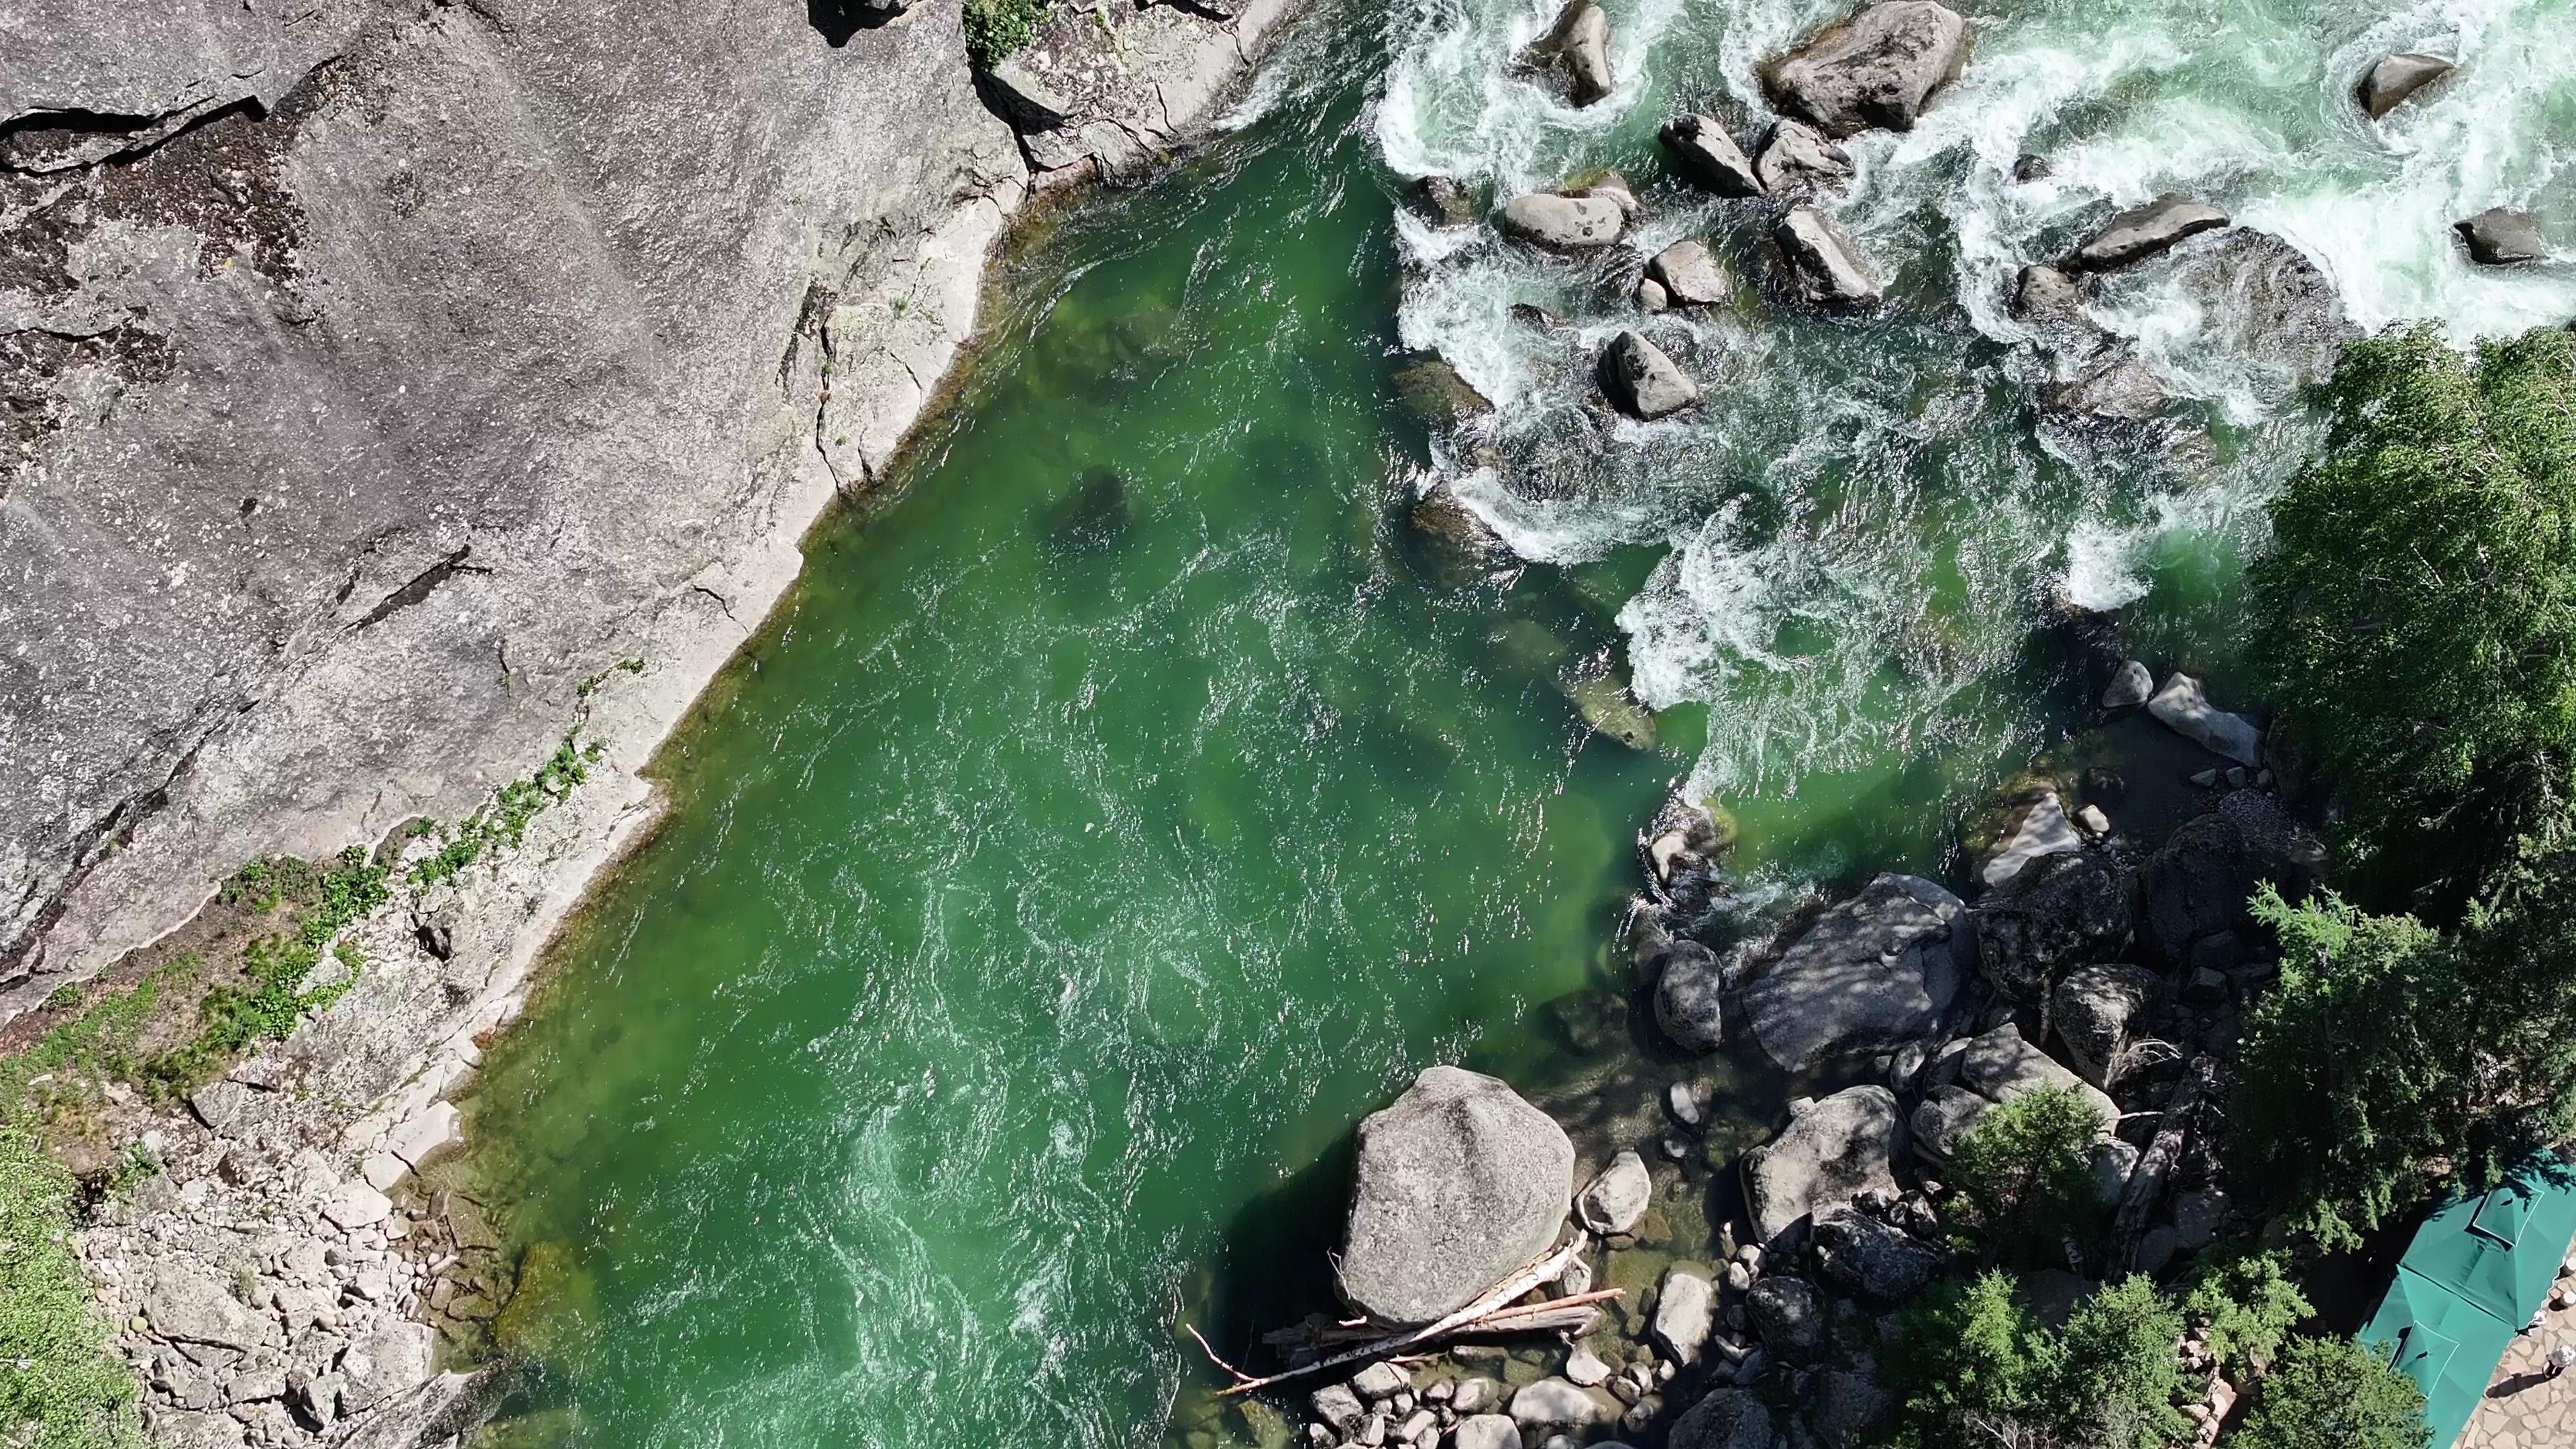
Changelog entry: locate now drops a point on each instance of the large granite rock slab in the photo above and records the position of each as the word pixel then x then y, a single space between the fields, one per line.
pixel 1871 1260
pixel 1876 68
pixel 1870 974
pixel 2000 1066
pixel 1459 1182
pixel 1832 1151
pixel 1563 223
pixel 1708 157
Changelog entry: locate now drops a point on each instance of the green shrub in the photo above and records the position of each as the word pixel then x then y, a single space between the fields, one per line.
pixel 2332 1393
pixel 2122 1367
pixel 59 1387
pixel 2417 613
pixel 998 29
pixel 2027 1171
pixel 1976 1369
pixel 2249 1303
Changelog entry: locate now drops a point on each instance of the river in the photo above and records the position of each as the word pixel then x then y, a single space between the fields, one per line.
pixel 1119 809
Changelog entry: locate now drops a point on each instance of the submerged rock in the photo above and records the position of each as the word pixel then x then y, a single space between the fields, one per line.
pixel 1706 156
pixel 1437 394
pixel 2263 298
pixel 1799 160
pixel 1833 1151
pixel 1577 47
pixel 1563 223
pixel 1642 381
pixel 2183 708
pixel 1872 973
pixel 1822 266
pixel 1459 1182
pixel 1876 68
pixel 1689 995
pixel 2113 383
pixel 2395 78
pixel 1444 201
pixel 2142 231
pixel 1609 709
pixel 1461 544
pixel 1690 275
pixel 2503 236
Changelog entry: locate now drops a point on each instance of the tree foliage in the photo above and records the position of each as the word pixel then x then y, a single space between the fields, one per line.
pixel 2332 1393
pixel 2027 1170
pixel 1979 1370
pixel 2249 1304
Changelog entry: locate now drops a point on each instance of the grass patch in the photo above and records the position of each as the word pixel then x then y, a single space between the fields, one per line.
pixel 60 1388
pixel 502 824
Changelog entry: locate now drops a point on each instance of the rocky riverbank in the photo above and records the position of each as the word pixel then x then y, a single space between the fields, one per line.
pixel 409 399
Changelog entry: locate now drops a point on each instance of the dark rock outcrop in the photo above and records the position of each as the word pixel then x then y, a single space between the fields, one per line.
pixel 1870 974
pixel 1871 1260
pixel 1727 1419
pixel 2395 78
pixel 1437 394
pixel 1690 992
pixel 1786 1317
pixel 1876 68
pixel 2142 231
pixel 2198 884
pixel 1444 201
pixel 2061 912
pixel 2093 1010
pixel 2503 236
pixel 1461 544
pixel 1708 157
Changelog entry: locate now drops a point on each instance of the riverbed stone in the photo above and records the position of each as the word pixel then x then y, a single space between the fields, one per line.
pixel 1691 275
pixel 1728 1418
pixel 1444 201
pixel 1461 545
pixel 356 1205
pixel 1785 1316
pixel 1875 68
pixel 1339 1406
pixel 2043 829
pixel 2093 1010
pixel 1487 1431
pixel 1832 1151
pixel 1799 160
pixel 2183 707
pixel 1577 48
pixel 1642 380
pixel 1871 1260
pixel 2503 236
pixel 2130 687
pixel 1868 975
pixel 1685 1312
pixel 2142 231
pixel 1615 1200
pixel 1553 1403
pixel 187 1306
pixel 1563 223
pixel 1459 1182
pixel 1707 157
pixel 1435 393
pixel 2396 77
pixel 1822 266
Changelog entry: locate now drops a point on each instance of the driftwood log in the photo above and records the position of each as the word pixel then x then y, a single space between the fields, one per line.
pixel 2147 1181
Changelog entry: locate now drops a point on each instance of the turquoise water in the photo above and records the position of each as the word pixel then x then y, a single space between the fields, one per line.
pixel 1119 809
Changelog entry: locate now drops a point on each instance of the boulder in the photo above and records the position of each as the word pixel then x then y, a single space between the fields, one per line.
pixel 2112 383
pixel 1618 1197
pixel 1729 1418
pixel 1486 1431
pixel 1851 1408
pixel 1459 1182
pixel 1832 1151
pixel 2502 236
pixel 1435 392
pixel 2262 298
pixel 1785 1316
pixel 1870 974
pixel 1563 223
pixel 1689 991
pixel 2143 231
pixel 2092 1011
pixel 1872 1261
pixel 2182 707
pixel 2130 687
pixel 1685 1313
pixel 1690 275
pixel 1554 1404
pixel 1381 1380
pixel 2198 884
pixel 2113 1161
pixel 1820 264
pixel 2395 78
pixel 187 1307
pixel 1444 201
pixel 1339 1406
pixel 1707 157
pixel 1651 296
pixel 1583 1367
pixel 355 1205
pixel 2000 1066
pixel 1799 160
pixel 1642 381
pixel 1462 545
pixel 2052 301
pixel 1876 68
pixel 1945 1115
pixel 2060 912
pixel 2042 830
pixel 1020 96
pixel 1578 48
pixel 223 1106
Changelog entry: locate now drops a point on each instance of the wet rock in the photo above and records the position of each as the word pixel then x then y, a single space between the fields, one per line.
pixel 1577 48
pixel 2130 687
pixel 2261 297
pixel 1944 1116
pixel 2503 236
pixel 2198 883
pixel 2143 231
pixel 1651 296
pixel 2093 1010
pixel 1689 991
pixel 2395 78
pixel 2184 708
pixel 1474 1395
pixel 1682 1101
pixel 1338 1405
pixel 1618 1197
pixel 1822 267
pixel 2000 1066
pixel 1552 1404
pixel 2042 830
pixel 1459 1181
pixel 1609 708
pixel 1461 544
pixel 1563 223
pixel 1850 1408
pixel 1799 160
pixel 2052 301
pixel 1642 381
pixel 1833 1151
pixel 1785 1317
pixel 1685 1313
pixel 1876 68
pixel 1870 974
pixel 1690 275
pixel 1444 201
pixel 1486 1431
pixel 2112 383
pixel 1871 1260
pixel 1707 157
pixel 1437 394
pixel 1728 1418
pixel 2060 912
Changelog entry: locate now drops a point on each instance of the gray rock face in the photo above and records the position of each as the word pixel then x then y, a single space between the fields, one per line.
pixel 2053 301
pixel 1555 1404
pixel 1562 223
pixel 2060 912
pixel 1689 995
pixel 1437 394
pixel 1871 1260
pixel 1487 1431
pixel 1799 160
pixel 1025 99
pixel 2113 384
pixel 2130 687
pixel 1615 1200
pixel 2395 78
pixel 2503 236
pixel 1578 48
pixel 1876 68
pixel 2197 884
pixel 1708 157
pixel 1832 1152
pixel 2000 1066
pixel 1459 1182
pixel 1339 1406
pixel 2042 830
pixel 1685 1313
pixel 2263 298
pixel 1690 275
pixel 189 1309
pixel 1870 974
pixel 2092 1011
pixel 1784 1315
pixel 2142 231
pixel 1944 1116
pixel 1821 265
pixel 1444 201
pixel 2185 709
pixel 1642 382
pixel 1852 1408
pixel 1727 1419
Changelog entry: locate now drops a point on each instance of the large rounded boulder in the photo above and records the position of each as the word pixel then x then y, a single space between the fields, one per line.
pixel 1876 68
pixel 1460 1181
pixel 1834 1151
pixel 1869 975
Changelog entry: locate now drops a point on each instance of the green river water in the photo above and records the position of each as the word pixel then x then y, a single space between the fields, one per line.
pixel 1119 810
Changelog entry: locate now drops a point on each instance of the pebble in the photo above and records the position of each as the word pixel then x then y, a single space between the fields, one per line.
pixel 1684 1102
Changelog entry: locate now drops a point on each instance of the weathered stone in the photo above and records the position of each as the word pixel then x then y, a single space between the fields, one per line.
pixel 2199 882
pixel 1578 48
pixel 1944 1116
pixel 1475 1395
pixel 1338 1405
pixel 2060 912
pixel 2395 78
pixel 1728 1418
pixel 1462 546
pixel 1685 1312
pixel 2183 708
pixel 2042 830
pixel 2112 1163
pixel 1444 201
pixel 1851 1409
pixel 1822 267
pixel 1459 1182
pixel 1381 1380
pixel 2143 231
pixel 356 1205
pixel 1784 1314
pixel 1563 223
pixel 1584 1368
pixel 1618 1197
pixel 1799 160
pixel 1708 157
pixel 1651 296
pixel 1024 98
pixel 1555 1404
pixel 2503 236
pixel 2092 1010
pixel 187 1307
pixel 2130 687
pixel 1832 1152
pixel 223 1106
pixel 1876 68
pixel 1690 275
pixel 2261 298
pixel 1487 1431
pixel 2112 383
pixel 1870 974
pixel 1642 381
pixel 2000 1066
pixel 1435 393
pixel 1871 1260
pixel 2052 301
pixel 434 1127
